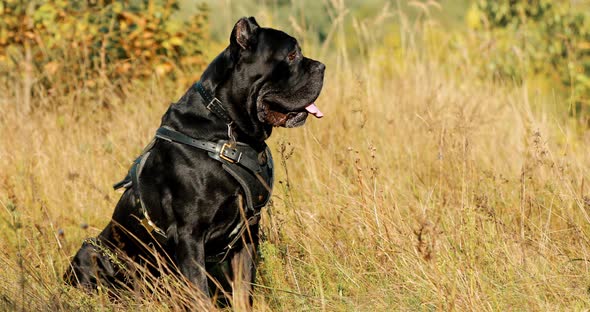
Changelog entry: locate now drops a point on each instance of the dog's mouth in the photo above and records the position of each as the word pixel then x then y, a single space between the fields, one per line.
pixel 276 116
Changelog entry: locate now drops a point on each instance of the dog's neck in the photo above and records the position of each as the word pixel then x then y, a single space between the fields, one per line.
pixel 190 115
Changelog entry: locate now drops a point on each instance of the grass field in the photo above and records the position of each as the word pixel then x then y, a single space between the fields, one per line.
pixel 427 186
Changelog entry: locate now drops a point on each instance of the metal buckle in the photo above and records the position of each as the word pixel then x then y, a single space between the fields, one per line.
pixel 147 224
pixel 216 101
pixel 226 145
pixel 151 226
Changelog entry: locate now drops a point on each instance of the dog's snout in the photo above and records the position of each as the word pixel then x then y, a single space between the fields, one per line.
pixel 314 66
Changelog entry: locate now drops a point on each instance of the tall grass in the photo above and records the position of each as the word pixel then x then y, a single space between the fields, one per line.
pixel 425 187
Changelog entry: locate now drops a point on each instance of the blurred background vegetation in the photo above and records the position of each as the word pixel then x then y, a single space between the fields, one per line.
pixel 62 46
pixel 66 44
pixel 542 39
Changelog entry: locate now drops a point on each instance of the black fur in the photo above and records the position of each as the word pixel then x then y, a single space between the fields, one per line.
pixel 263 80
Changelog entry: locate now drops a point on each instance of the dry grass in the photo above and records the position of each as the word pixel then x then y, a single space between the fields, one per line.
pixel 425 187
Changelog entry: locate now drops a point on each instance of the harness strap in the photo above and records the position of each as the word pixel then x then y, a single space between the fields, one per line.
pixel 244 182
pixel 217 150
pixel 238 232
pixel 134 173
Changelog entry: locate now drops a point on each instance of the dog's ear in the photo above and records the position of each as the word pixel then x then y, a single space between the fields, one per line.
pixel 244 33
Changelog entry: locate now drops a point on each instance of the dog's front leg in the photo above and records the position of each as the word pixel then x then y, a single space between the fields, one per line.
pixel 191 258
pixel 243 264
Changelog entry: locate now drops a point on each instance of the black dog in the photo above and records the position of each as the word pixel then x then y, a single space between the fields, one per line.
pixel 195 193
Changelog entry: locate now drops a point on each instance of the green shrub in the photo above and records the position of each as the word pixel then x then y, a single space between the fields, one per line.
pixel 70 44
pixel 541 37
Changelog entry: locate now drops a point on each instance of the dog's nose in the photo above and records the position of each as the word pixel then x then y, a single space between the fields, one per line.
pixel 321 67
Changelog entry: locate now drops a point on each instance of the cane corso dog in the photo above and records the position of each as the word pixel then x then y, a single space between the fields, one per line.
pixel 194 195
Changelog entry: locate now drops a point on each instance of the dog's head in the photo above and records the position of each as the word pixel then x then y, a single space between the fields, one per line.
pixel 280 83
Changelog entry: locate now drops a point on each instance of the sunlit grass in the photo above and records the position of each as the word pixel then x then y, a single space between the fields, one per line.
pixel 425 187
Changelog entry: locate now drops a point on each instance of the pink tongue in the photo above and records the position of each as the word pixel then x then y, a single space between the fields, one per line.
pixel 314 110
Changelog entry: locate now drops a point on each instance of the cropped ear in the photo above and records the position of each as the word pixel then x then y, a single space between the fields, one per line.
pixel 244 33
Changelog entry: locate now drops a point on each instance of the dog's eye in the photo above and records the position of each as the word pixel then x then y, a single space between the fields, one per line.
pixel 292 56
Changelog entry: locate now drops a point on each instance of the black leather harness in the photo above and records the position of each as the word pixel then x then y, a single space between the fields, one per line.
pixel 253 171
